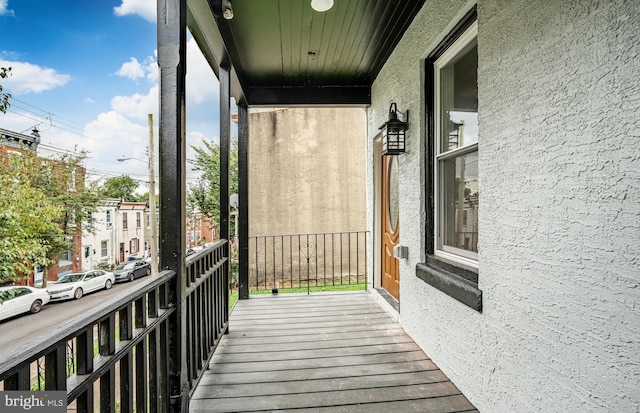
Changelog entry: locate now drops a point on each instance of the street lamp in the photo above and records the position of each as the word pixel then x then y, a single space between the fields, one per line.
pixel 129 159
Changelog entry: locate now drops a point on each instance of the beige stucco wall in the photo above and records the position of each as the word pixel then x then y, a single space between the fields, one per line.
pixel 307 170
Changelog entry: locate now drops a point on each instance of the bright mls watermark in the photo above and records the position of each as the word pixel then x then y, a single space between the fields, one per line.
pixel 33 401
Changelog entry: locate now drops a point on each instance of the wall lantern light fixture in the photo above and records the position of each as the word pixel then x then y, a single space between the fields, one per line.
pixel 321 5
pixel 393 131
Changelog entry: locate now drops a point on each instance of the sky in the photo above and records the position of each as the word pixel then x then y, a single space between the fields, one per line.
pixel 85 74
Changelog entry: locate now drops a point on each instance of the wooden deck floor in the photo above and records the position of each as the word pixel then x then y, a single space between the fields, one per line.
pixel 321 353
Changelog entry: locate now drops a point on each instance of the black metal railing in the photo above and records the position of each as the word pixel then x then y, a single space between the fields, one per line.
pixel 307 260
pixel 116 357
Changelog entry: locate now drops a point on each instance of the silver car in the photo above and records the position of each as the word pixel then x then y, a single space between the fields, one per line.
pixel 130 270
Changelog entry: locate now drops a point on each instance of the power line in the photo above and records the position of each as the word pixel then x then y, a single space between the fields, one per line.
pixel 38 119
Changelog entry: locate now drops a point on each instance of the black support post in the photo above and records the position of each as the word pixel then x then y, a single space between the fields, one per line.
pixel 171 26
pixel 243 199
pixel 225 151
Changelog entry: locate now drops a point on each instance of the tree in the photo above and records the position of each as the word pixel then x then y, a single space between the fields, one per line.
pixel 28 217
pixel 4 97
pixel 44 202
pixel 204 195
pixel 145 198
pixel 120 187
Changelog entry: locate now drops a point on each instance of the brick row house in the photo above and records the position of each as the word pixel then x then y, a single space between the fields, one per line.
pixel 69 260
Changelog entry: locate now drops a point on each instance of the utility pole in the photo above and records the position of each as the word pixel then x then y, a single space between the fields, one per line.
pixel 152 201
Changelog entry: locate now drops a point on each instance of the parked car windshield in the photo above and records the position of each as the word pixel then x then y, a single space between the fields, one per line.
pixel 126 266
pixel 70 278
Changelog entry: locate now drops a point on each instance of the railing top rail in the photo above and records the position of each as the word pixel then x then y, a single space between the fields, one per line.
pixel 310 233
pixel 203 251
pixel 38 346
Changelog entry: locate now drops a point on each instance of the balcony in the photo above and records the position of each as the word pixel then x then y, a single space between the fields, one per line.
pixel 321 351
pixel 169 344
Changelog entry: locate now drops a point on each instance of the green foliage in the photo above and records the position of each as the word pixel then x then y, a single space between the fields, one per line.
pixel 145 198
pixel 204 195
pixel 120 187
pixel 43 203
pixel 63 182
pixel 4 97
pixel 28 219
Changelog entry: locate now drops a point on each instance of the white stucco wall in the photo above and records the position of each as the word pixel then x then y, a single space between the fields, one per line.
pixel 559 105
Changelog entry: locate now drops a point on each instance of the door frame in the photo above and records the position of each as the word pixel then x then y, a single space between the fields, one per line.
pixel 377 211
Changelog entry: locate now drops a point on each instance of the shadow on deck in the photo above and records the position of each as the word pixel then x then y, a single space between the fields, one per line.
pixel 335 352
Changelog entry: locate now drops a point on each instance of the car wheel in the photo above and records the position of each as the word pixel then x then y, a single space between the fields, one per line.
pixel 148 271
pixel 35 307
pixel 131 277
pixel 107 284
pixel 78 294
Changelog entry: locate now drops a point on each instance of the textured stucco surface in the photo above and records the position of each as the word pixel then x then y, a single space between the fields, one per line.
pixel 307 171
pixel 559 155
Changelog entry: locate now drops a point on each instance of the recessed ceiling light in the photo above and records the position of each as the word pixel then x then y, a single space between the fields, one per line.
pixel 321 5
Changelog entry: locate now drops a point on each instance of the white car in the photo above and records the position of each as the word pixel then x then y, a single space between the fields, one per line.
pixel 75 285
pixel 20 299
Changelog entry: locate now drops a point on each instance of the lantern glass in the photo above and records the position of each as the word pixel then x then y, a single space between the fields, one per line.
pixel 393 138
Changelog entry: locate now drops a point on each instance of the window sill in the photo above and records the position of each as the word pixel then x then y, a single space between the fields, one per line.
pixel 453 280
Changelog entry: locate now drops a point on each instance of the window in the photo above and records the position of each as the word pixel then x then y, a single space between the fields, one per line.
pixel 134 245
pixel 452 184
pixel 138 220
pixel 104 250
pixel 148 220
pixel 108 218
pixel 65 257
pixel 124 220
pixel 456 149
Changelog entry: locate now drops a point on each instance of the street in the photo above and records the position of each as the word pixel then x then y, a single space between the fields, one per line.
pixel 16 331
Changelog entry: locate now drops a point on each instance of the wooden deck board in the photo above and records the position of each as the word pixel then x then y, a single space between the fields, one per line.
pixel 294 354
pixel 230 346
pixel 321 353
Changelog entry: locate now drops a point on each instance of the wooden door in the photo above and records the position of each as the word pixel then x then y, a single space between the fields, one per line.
pixel 390 226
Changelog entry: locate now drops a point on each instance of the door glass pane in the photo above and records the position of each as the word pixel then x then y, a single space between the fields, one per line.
pixel 459 100
pixel 393 201
pixel 459 202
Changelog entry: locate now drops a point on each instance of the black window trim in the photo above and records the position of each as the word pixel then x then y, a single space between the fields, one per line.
pixel 452 278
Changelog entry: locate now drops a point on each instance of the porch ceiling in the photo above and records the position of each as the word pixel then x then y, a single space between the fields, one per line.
pixel 282 52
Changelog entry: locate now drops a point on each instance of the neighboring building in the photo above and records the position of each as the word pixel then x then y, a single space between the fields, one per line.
pixel 69 260
pixel 148 236
pixel 120 232
pixel 130 230
pixel 15 141
pixel 314 173
pixel 99 240
pixel 200 230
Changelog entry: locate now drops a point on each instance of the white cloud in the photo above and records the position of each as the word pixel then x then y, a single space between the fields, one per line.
pixel 89 100
pixel 131 69
pixel 137 106
pixel 4 11
pixel 111 136
pixel 135 70
pixel 143 8
pixel 29 78
pixel 123 130
pixel 202 83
